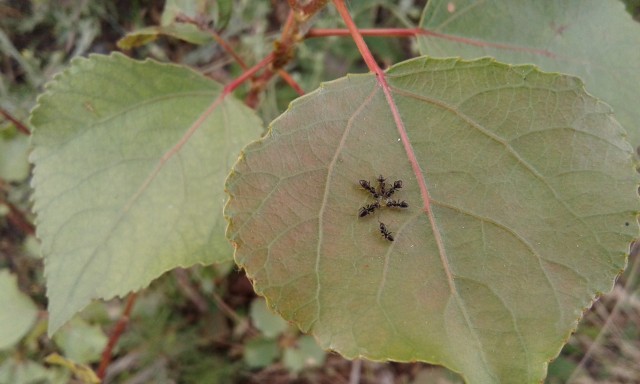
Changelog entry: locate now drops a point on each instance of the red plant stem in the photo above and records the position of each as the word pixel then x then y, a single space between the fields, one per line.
pixel 417 171
pixel 21 127
pixel 382 80
pixel 257 85
pixel 289 80
pixel 411 32
pixel 357 37
pixel 424 192
pixel 227 48
pixel 287 33
pixel 282 54
pixel 289 29
pixel 246 75
pixel 115 336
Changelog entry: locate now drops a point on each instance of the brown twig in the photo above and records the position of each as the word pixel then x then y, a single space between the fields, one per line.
pixel 187 289
pixel 18 218
pixel 283 52
pixel 204 26
pixel 289 80
pixel 22 128
pixel 232 315
pixel 115 336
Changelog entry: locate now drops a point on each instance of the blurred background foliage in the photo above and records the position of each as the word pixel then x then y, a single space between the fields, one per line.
pixel 205 324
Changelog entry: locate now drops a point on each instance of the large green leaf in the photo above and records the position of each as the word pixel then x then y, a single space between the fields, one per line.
pixel 123 193
pixel 594 39
pixel 532 207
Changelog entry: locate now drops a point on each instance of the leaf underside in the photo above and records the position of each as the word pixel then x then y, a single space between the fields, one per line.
pixel 594 39
pixel 118 202
pixel 532 207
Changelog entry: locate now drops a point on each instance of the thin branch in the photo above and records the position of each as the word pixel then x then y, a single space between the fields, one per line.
pixel 21 127
pixel 203 26
pixel 115 336
pixel 18 218
pixel 231 314
pixel 360 43
pixel 188 289
pixel 226 309
pixel 248 74
pixel 289 80
pixel 282 53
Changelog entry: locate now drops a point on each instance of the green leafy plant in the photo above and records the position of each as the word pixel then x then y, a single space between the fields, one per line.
pixel 514 190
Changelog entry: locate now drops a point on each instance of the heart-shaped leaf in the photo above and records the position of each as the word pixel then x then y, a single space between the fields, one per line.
pixel 594 39
pixel 521 200
pixel 130 160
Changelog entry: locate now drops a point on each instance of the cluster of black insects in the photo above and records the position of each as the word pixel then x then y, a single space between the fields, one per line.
pixel 383 198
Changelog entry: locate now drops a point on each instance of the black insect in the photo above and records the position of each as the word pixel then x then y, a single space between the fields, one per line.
pixel 382 199
pixel 382 185
pixel 385 232
pixel 368 209
pixel 396 185
pixel 366 185
pixel 396 203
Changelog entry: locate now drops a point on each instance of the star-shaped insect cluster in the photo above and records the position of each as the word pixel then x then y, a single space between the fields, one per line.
pixel 382 197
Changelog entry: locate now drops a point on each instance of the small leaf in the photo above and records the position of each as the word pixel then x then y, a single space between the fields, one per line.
pixel 81 342
pixel 20 371
pixel 18 311
pixel 260 353
pixel 270 324
pixel 187 32
pixel 84 373
pixel 225 10
pixel 594 39
pixel 14 165
pixel 522 202
pixel 193 9
pixel 305 354
pixel 128 177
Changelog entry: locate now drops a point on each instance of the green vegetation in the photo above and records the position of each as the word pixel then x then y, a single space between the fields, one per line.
pixel 517 186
